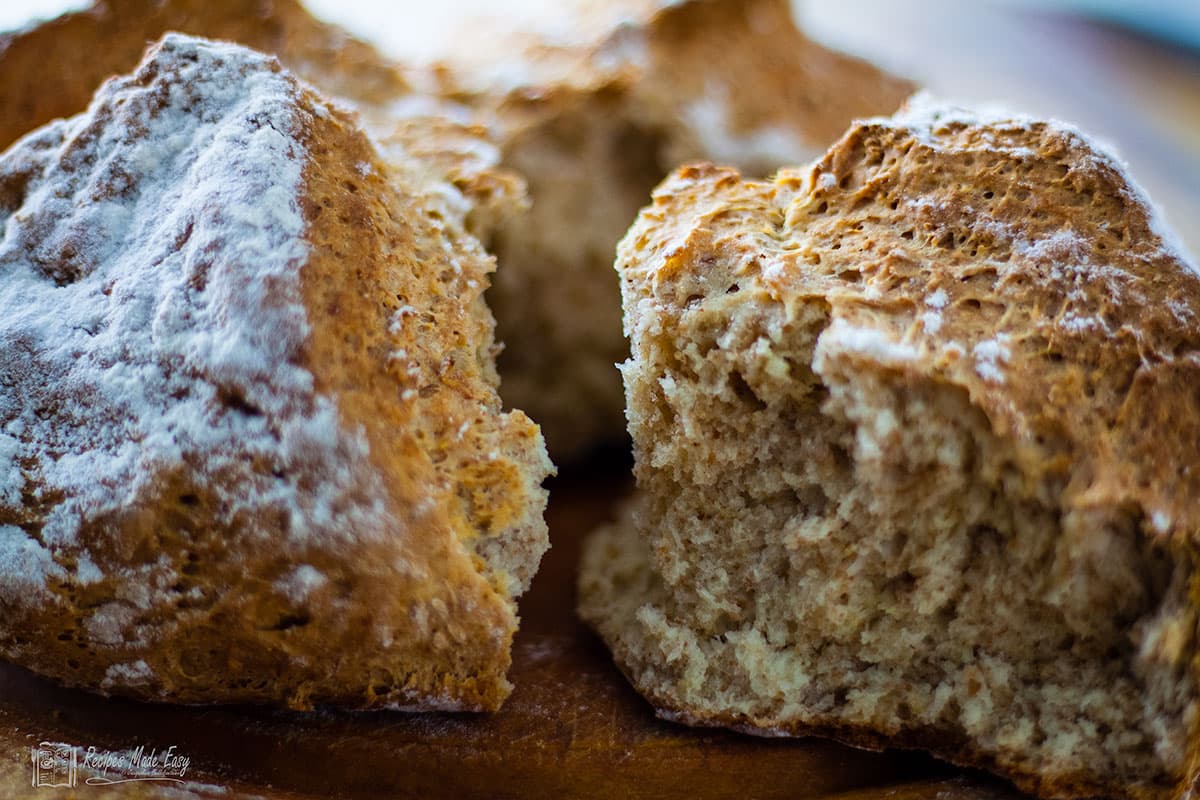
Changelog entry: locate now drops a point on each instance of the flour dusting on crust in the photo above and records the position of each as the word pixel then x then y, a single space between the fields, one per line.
pixel 928 116
pixel 150 310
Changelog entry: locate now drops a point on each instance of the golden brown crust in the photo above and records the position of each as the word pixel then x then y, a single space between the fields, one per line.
pixel 52 69
pixel 445 435
pixel 199 587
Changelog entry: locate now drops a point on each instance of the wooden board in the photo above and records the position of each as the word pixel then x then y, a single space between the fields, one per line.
pixel 572 729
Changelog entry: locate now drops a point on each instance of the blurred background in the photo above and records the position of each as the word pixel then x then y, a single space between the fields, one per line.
pixel 1126 71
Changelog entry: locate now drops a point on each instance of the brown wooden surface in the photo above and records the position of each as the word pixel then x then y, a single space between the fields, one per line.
pixel 573 727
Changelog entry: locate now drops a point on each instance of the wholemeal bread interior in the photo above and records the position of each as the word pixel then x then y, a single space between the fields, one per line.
pixel 906 470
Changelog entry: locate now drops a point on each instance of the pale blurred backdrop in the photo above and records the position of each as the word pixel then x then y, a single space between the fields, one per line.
pixel 1127 71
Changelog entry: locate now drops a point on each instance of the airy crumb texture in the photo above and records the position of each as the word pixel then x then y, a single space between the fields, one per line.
pixel 251 448
pixel 594 117
pixel 916 433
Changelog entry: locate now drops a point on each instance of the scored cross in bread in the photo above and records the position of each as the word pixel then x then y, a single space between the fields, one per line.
pixel 593 118
pixel 917 438
pixel 251 448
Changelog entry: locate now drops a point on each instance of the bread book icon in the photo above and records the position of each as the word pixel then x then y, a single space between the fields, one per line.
pixel 54 765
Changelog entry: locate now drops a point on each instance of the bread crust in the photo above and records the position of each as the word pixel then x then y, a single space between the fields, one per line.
pixel 1089 368
pixel 51 70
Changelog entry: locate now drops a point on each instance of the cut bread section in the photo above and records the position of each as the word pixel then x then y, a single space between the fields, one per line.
pixel 593 118
pixel 916 445
pixel 252 447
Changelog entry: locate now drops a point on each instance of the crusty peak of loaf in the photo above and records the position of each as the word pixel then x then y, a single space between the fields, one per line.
pixel 151 251
pixel 757 92
pixel 1014 258
pixel 252 447
pixel 52 69
pixel 427 139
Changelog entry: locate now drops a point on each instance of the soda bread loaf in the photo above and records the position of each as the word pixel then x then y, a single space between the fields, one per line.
pixel 593 119
pixel 916 433
pixel 251 447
